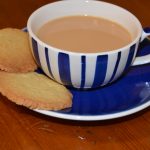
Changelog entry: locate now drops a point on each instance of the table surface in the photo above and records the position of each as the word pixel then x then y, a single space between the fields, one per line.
pixel 23 129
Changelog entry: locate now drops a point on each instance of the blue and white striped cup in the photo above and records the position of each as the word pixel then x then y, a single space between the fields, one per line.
pixel 86 70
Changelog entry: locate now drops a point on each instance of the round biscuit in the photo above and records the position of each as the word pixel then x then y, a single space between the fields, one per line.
pixel 15 52
pixel 35 91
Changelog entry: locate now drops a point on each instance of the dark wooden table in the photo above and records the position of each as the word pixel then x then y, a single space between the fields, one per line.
pixel 22 129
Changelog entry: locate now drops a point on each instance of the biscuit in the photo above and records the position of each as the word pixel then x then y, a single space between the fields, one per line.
pixel 35 91
pixel 15 52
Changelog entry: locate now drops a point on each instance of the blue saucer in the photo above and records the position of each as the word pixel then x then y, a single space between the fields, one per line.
pixel 129 94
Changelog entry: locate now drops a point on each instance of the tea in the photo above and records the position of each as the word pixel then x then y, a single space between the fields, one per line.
pixel 85 34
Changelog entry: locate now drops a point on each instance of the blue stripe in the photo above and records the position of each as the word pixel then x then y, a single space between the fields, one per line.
pixel 147 29
pixel 83 71
pixel 35 52
pixel 64 68
pixel 116 67
pixel 48 62
pixel 25 30
pixel 130 57
pixel 100 71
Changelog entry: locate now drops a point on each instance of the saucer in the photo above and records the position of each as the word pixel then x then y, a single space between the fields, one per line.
pixel 128 95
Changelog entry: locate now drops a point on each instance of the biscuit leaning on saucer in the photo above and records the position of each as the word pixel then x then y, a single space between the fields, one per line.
pixel 35 91
pixel 15 52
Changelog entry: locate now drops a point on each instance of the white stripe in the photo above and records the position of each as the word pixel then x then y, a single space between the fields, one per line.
pixel 90 71
pixel 75 70
pixel 31 46
pixel 42 58
pixel 122 63
pixel 112 59
pixel 136 48
pixel 53 59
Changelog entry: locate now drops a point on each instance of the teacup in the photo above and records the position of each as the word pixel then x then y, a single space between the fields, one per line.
pixel 86 70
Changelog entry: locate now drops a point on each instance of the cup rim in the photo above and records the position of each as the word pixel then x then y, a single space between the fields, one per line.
pixel 34 36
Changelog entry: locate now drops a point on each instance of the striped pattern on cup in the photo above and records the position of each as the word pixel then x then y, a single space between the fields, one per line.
pixel 83 71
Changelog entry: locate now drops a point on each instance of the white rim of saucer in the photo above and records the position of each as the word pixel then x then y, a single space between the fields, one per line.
pixel 95 117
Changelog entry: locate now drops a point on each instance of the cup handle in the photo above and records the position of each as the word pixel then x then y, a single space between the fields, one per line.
pixel 143 59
